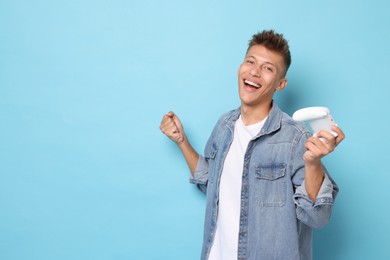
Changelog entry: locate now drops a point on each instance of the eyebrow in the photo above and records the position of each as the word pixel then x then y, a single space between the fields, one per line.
pixel 266 62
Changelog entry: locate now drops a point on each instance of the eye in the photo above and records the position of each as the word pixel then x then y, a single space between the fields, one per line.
pixel 250 61
pixel 268 68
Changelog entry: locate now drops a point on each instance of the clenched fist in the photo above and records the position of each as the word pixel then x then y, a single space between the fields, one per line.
pixel 172 127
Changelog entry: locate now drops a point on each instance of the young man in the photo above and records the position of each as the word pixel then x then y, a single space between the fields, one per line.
pixel 266 186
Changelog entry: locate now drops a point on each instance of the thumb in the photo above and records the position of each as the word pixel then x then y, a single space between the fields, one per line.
pixel 170 114
pixel 176 120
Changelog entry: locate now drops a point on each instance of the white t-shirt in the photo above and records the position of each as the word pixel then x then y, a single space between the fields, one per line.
pixel 226 235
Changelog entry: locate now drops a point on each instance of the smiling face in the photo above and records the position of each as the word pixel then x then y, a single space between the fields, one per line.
pixel 259 76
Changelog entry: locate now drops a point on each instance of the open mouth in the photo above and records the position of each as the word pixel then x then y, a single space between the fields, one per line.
pixel 251 84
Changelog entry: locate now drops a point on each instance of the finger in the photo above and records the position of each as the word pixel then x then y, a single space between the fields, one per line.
pixel 315 140
pixel 177 122
pixel 312 147
pixel 167 121
pixel 340 133
pixel 167 116
pixel 168 126
pixel 170 114
pixel 175 119
pixel 319 147
pixel 313 152
pixel 170 131
pixel 309 156
pixel 327 137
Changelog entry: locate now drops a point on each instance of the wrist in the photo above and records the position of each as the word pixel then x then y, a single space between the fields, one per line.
pixel 183 143
pixel 316 164
pixel 314 168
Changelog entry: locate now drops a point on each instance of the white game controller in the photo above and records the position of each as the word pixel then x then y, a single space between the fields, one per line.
pixel 319 118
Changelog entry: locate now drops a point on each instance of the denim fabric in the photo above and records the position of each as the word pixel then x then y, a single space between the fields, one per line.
pixel 277 216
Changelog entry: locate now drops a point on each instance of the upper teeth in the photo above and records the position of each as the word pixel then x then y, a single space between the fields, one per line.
pixel 252 84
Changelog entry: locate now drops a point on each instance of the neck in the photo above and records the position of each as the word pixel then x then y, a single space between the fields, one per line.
pixel 252 115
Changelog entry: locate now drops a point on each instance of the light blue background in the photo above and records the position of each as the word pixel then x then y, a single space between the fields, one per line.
pixel 85 172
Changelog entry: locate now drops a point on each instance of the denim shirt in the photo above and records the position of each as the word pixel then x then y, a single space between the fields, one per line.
pixel 276 215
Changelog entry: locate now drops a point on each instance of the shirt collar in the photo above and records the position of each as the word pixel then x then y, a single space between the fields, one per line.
pixel 272 123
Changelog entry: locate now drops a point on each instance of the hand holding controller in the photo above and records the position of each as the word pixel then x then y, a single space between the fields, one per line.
pixel 319 118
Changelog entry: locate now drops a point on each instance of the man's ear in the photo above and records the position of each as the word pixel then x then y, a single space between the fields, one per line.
pixel 282 84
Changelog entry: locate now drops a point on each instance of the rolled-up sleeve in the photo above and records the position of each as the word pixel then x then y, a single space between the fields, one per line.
pixel 316 214
pixel 200 177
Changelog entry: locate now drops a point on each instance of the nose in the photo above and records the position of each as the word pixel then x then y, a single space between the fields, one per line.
pixel 254 72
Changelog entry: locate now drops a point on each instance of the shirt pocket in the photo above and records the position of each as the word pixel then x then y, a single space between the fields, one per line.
pixel 270 185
